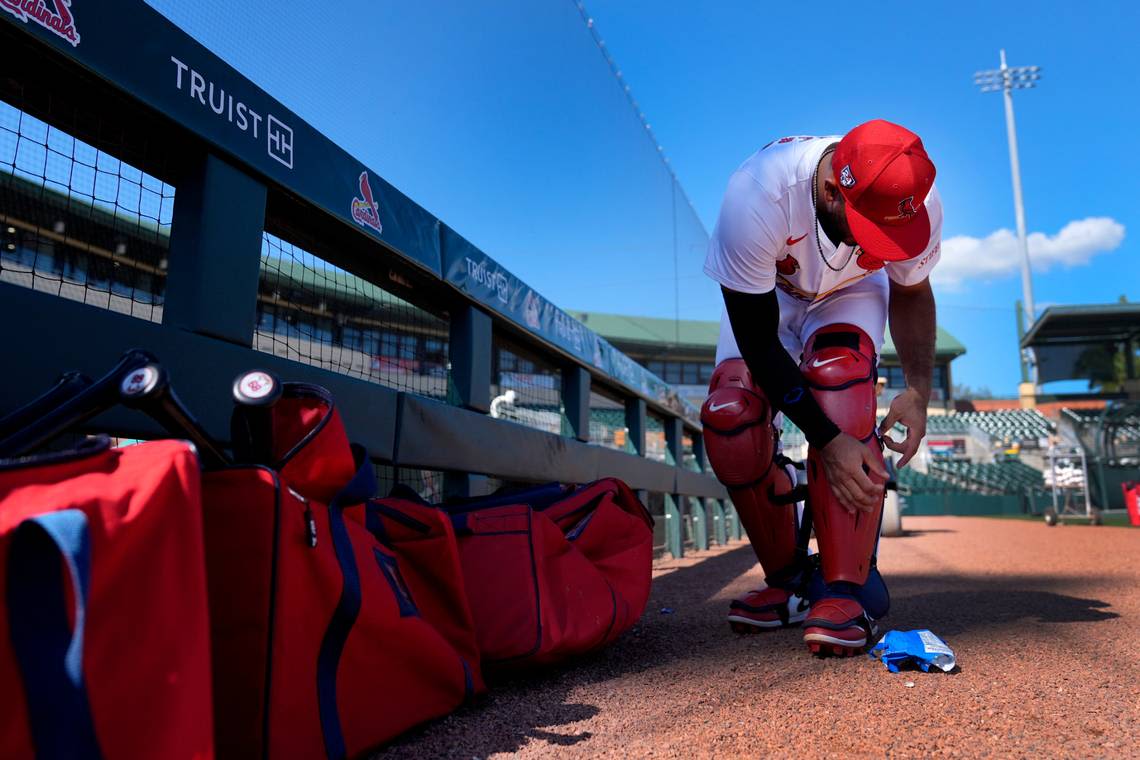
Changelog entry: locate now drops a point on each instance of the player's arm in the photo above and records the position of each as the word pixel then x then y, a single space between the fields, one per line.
pixel 912 322
pixel 755 319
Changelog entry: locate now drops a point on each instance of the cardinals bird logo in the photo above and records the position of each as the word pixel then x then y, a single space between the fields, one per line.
pixel 787 266
pixel 365 211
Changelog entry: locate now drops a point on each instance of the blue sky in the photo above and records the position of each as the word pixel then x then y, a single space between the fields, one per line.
pixel 504 119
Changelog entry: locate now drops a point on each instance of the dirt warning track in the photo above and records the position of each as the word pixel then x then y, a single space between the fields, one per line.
pixel 1045 623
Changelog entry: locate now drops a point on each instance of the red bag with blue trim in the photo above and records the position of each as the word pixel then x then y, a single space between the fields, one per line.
pixel 104 638
pixel 322 646
pixel 553 571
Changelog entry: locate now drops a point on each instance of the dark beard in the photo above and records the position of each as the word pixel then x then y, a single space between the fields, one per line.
pixel 834 227
pixel 831 227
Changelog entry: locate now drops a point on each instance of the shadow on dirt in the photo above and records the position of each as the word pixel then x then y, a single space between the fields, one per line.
pixel 961 603
pixel 542 703
pixel 534 704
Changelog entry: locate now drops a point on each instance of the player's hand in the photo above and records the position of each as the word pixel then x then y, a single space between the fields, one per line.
pixel 909 408
pixel 848 463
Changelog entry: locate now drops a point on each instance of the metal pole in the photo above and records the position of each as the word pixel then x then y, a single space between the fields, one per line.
pixel 1085 475
pixel 1053 470
pixel 1019 207
pixel 1020 313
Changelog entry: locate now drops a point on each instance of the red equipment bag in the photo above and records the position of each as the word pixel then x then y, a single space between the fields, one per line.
pixel 104 637
pixel 422 538
pixel 321 647
pixel 554 571
pixel 1132 501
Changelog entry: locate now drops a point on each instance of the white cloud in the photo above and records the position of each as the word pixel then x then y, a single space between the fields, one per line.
pixel 997 255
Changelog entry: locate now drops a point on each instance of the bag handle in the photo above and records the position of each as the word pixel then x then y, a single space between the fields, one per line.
pixel 68 385
pixel 97 398
pixel 48 649
pixel 363 485
pixel 138 381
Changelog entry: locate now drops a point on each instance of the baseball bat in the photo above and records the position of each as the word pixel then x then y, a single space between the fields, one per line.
pixel 68 385
pixel 93 400
pixel 148 389
pixel 251 426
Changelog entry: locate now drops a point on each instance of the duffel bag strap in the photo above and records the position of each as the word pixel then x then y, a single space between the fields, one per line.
pixel 358 490
pixel 48 649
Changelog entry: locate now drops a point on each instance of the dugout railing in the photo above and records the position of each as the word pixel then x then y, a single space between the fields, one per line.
pixel 152 196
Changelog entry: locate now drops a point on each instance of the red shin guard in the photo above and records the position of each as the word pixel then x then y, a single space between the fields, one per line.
pixel 741 446
pixel 839 365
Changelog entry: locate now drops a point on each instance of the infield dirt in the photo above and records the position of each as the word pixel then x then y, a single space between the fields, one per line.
pixel 1045 623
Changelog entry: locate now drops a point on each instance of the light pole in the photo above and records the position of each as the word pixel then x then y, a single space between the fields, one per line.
pixel 1006 80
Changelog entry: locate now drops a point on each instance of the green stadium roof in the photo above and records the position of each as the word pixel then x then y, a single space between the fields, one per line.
pixel 650 329
pixel 703 334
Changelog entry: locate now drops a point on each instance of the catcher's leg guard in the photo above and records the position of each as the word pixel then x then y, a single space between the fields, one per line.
pixel 839 365
pixel 741 445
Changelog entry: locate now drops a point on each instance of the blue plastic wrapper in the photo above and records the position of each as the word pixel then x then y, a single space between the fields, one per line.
pixel 920 648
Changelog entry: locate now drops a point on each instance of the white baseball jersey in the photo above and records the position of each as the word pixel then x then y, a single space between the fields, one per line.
pixel 767 235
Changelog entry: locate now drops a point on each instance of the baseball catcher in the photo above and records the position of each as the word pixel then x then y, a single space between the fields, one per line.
pixel 818 242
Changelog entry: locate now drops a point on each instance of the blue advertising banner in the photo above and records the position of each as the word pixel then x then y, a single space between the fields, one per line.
pixel 482 278
pixel 133 47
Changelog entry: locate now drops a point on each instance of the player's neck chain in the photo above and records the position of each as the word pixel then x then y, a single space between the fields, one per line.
pixel 815 213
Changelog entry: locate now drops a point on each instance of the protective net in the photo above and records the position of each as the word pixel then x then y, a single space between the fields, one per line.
pixel 427 483
pixel 689 519
pixel 607 423
pixel 550 68
pixel 311 311
pixel 79 223
pixel 655 503
pixel 688 454
pixel 655 445
pixel 526 389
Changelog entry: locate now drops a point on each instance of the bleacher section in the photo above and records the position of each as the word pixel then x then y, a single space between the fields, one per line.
pixel 1126 429
pixel 920 482
pixel 947 424
pixel 955 476
pixel 995 477
pixel 1012 425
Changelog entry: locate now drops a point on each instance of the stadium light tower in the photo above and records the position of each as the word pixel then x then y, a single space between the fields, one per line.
pixel 1007 79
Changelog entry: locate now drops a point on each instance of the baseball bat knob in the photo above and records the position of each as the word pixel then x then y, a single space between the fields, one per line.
pixel 257 388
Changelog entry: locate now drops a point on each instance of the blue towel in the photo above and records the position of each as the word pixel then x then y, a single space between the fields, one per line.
pixel 920 648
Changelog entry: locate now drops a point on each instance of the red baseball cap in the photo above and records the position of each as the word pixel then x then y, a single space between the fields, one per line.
pixel 885 175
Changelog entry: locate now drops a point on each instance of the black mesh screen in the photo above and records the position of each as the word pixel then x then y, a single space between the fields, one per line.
pixel 313 312
pixel 526 389
pixel 427 483
pixel 79 223
pixel 655 446
pixel 607 422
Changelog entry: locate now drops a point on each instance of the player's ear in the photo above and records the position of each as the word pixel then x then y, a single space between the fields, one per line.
pixel 831 191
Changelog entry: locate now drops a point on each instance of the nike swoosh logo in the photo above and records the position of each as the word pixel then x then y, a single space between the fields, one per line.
pixel 793 241
pixel 718 407
pixel 818 363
